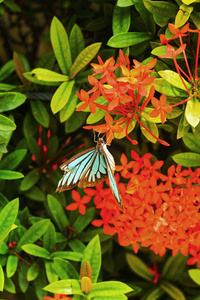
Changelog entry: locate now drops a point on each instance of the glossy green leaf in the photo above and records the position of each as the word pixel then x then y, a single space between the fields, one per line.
pixel 61 96
pixel 69 108
pixel 33 272
pixel 67 286
pixel 9 286
pixel 195 275
pixel 30 180
pixel 11 265
pixel 10 175
pixel 49 238
pixel 183 15
pixel 187 159
pixel 172 290
pixel 192 142
pixel 75 121
pixel 5 233
pixel 92 254
pixel 162 8
pixel 40 112
pixel 60 44
pixel 183 127
pixel 151 127
pixel 12 5
pixel 125 3
pixel 176 112
pixel 11 100
pixel 6 87
pixel 48 75
pixel 35 194
pixel 109 288
pixel 36 250
pixel 195 16
pixel 76 40
pixel 173 78
pixel 139 267
pixel 6 124
pixel 164 87
pixel 65 269
pixel 127 39
pixel 12 160
pixel 76 245
pixel 121 19
pixel 155 294
pixel 75 256
pixel 1 279
pixel 8 216
pixel 50 271
pixel 94 118
pixel 84 220
pixel 32 78
pixel 174 267
pixel 3 201
pixel 192 112
pixel 7 69
pixel 33 233
pixel 58 213
pixel 22 277
pixel 84 58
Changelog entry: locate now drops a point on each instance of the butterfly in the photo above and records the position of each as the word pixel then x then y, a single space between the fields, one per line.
pixel 89 168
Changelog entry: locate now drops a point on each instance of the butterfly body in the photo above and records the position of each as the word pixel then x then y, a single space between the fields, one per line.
pixel 89 168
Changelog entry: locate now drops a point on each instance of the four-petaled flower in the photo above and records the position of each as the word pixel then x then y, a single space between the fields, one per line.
pixel 79 203
pixel 89 101
pixel 160 108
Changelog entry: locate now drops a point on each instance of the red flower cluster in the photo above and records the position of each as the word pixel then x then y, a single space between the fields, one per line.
pixel 160 211
pixel 126 96
pixel 57 297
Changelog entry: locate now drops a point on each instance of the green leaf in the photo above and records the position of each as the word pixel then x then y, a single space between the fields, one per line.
pixel 109 288
pixel 195 275
pixel 6 124
pixel 174 79
pixel 172 290
pixel 76 40
pixel 69 108
pixel 183 15
pixel 11 265
pixel 76 245
pixel 84 58
pixel 174 267
pixel 39 283
pixel 183 127
pixel 36 250
pixel 33 147
pixel 60 44
pixel 187 159
pixel 127 39
pixel 48 75
pixel 92 254
pixel 35 194
pixel 1 279
pixel 121 19
pixel 155 294
pixel 84 220
pixel 22 277
pixel 49 238
pixel 12 160
pixel 9 286
pixel 94 118
pixel 176 112
pixel 67 286
pixel 151 127
pixel 61 96
pixel 10 100
pixel 192 112
pixel 58 213
pixel 164 87
pixel 162 8
pixel 10 175
pixel 7 69
pixel 33 233
pixel 125 3
pixel 33 272
pixel 50 271
pixel 29 180
pixel 32 78
pixel 75 121
pixel 20 62
pixel 75 256
pixel 12 5
pixel 40 113
pixel 139 267
pixel 65 269
pixel 192 142
pixel 8 216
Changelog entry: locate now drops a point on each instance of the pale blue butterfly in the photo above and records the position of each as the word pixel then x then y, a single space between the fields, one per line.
pixel 89 168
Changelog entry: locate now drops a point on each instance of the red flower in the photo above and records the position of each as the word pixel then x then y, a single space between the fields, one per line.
pixel 161 108
pixel 89 101
pixel 79 203
pixel 57 297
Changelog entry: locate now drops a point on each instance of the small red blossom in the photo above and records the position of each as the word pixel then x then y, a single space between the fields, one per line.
pixel 106 68
pixel 89 101
pixel 79 203
pixel 160 108
pixel 57 297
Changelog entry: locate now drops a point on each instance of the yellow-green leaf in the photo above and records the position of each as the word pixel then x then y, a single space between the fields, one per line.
pixel 61 96
pixel 192 112
pixel 48 75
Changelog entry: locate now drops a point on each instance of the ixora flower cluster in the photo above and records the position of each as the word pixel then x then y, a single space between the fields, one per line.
pixel 160 211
